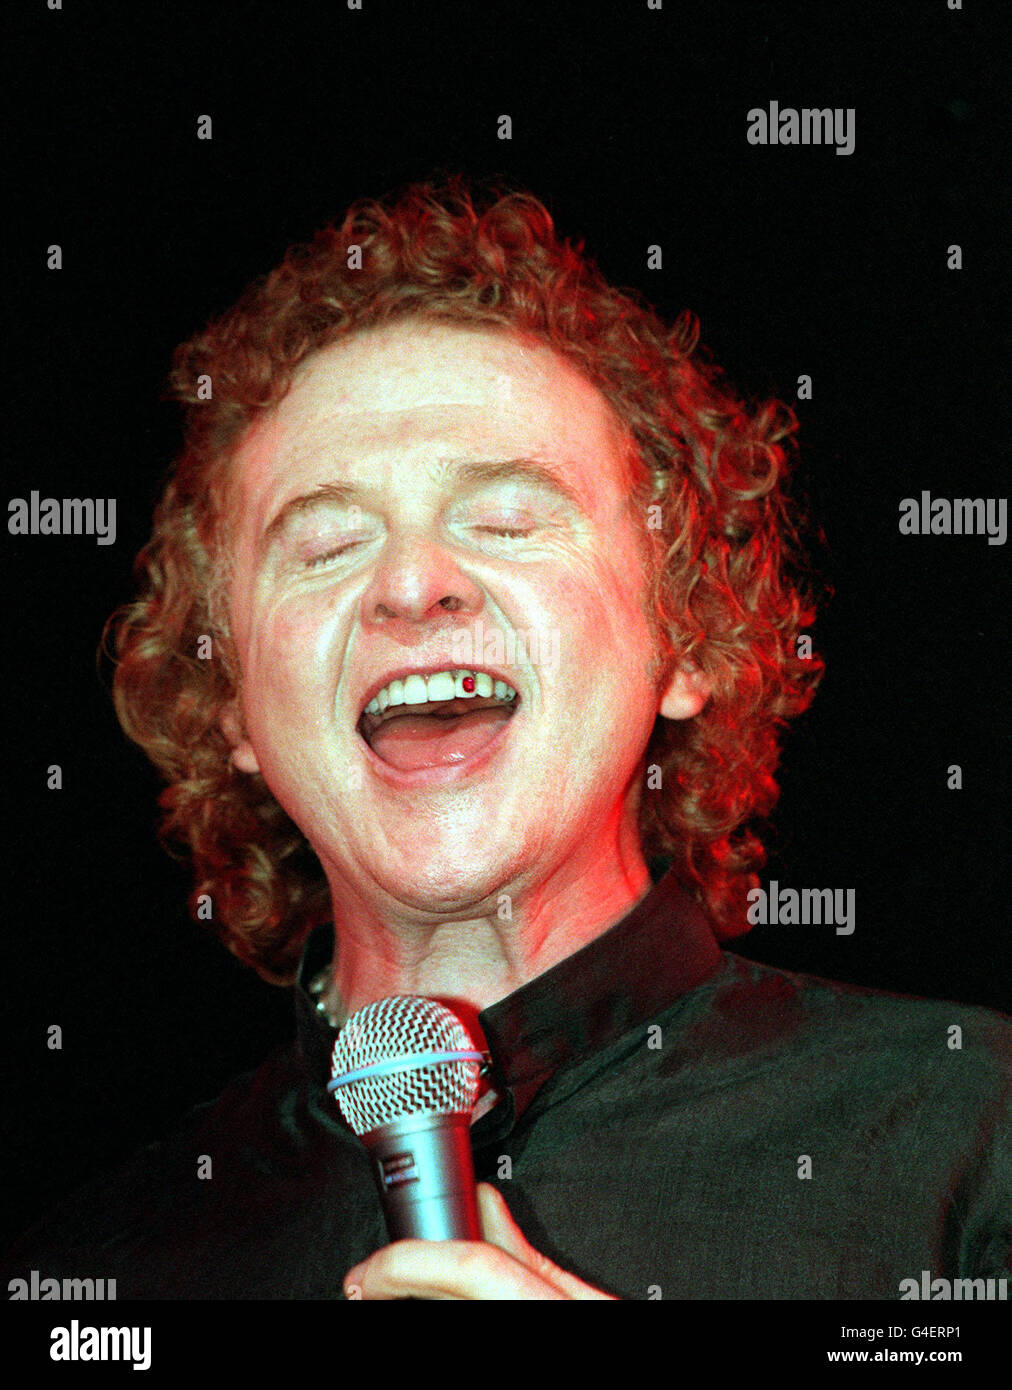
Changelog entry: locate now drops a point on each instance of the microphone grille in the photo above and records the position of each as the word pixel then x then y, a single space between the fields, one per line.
pixel 403 1029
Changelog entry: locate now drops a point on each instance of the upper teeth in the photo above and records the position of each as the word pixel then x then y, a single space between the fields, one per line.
pixel 443 685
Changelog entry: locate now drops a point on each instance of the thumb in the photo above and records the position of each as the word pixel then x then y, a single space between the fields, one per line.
pixel 498 1226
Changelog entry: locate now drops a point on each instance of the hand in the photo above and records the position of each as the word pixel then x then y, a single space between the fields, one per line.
pixel 502 1266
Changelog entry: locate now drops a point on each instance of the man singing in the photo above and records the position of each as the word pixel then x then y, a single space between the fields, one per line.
pixel 473 597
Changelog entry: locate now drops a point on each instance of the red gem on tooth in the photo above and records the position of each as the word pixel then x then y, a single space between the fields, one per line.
pixel 468 682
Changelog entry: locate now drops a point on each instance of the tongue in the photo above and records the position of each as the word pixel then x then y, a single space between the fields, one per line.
pixel 413 741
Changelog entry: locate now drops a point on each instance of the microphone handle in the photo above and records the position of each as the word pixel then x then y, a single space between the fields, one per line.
pixel 424 1171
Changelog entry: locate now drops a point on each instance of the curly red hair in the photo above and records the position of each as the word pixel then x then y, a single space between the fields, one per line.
pixel 709 476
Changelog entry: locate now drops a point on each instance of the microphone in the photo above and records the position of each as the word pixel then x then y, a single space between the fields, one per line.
pixel 405 1078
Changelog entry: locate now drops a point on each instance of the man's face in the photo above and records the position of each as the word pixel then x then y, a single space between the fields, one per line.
pixel 435 499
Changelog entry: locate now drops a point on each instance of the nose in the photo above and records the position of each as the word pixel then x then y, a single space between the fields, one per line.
pixel 417 580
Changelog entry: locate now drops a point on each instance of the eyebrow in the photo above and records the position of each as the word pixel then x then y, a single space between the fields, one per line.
pixel 465 473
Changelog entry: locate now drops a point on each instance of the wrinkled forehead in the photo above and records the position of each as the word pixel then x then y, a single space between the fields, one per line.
pixel 432 388
pixel 406 366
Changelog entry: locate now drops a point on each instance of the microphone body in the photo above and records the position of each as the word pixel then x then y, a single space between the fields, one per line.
pixel 425 1175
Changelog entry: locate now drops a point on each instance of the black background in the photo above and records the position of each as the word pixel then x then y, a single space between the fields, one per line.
pixel 631 125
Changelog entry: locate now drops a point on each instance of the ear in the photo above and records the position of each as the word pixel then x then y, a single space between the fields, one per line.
pixel 231 725
pixel 686 693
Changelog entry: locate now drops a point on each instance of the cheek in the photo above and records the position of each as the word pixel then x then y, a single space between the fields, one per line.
pixel 289 652
pixel 596 614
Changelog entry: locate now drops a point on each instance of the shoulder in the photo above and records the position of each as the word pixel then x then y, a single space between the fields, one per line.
pixel 828 1025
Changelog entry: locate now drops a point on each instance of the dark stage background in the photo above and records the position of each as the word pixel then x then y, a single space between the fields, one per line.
pixel 631 124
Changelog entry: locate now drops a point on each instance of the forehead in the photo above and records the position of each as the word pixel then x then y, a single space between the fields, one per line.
pixel 432 389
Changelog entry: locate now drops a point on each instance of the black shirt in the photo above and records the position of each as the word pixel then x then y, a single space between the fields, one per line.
pixel 674 1122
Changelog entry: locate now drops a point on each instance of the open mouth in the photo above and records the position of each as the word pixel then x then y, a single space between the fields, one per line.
pixel 437 733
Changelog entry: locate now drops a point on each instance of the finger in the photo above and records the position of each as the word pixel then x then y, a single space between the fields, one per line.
pixel 497 1224
pixel 450 1269
pixel 500 1229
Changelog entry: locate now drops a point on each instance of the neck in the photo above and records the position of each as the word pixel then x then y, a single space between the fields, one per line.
pixel 481 950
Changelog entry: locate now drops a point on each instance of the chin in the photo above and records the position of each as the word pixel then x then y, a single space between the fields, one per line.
pixel 450 882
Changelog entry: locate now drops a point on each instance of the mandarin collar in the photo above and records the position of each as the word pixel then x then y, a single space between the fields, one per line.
pixel 660 950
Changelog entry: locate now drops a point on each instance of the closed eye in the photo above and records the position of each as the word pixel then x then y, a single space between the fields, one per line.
pixel 330 555
pixel 504 532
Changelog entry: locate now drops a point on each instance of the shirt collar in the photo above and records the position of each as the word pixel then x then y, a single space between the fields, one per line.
pixel 663 948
